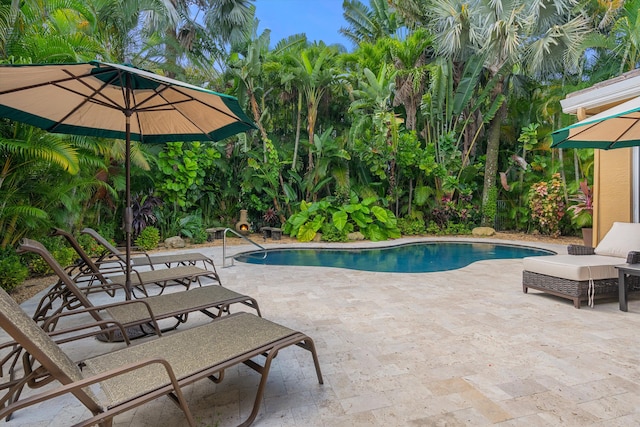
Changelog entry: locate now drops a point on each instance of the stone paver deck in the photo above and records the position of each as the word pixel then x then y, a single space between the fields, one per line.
pixel 455 348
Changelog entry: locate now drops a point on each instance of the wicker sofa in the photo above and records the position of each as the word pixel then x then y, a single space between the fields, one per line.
pixel 570 276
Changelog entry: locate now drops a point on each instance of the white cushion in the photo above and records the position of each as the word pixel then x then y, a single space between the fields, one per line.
pixel 623 238
pixel 574 267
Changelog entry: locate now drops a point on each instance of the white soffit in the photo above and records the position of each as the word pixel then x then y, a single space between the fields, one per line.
pixel 603 95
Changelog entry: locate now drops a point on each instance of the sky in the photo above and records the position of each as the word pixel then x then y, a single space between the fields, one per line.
pixel 319 19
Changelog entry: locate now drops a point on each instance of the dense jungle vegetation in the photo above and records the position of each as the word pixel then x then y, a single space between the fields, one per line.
pixel 437 118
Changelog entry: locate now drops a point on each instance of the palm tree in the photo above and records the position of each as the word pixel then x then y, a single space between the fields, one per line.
pixel 48 32
pixel 617 42
pixel 313 71
pixel 376 126
pixel 543 35
pixel 245 64
pixel 369 24
pixel 410 57
pixel 26 153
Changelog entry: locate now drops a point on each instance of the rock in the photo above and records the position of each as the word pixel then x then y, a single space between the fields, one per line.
pixel 483 231
pixel 174 242
pixel 317 237
pixel 355 236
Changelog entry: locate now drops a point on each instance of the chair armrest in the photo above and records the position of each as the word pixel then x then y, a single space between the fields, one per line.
pixel 109 326
pixel 50 324
pixel 580 250
pixel 633 257
pixel 172 387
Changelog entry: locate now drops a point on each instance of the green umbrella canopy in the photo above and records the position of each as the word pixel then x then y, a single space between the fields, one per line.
pixel 93 98
pixel 617 127
pixel 117 101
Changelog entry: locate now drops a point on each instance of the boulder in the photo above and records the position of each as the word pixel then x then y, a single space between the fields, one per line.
pixel 174 242
pixel 356 235
pixel 483 231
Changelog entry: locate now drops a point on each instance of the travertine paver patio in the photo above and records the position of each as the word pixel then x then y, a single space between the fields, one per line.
pixel 462 347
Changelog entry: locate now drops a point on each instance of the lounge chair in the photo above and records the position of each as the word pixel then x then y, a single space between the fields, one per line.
pixel 113 254
pixel 90 271
pixel 586 273
pixel 139 316
pixel 132 376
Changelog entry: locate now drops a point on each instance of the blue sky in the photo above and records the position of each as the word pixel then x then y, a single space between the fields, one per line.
pixel 319 19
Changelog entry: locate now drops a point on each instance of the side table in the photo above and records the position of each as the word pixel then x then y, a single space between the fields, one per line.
pixel 625 270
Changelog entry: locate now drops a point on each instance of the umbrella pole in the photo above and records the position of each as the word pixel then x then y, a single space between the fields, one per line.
pixel 128 214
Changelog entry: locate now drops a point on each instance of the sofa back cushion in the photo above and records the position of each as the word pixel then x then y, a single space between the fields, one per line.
pixel 623 238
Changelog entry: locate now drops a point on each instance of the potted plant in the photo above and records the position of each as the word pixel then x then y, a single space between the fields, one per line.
pixel 582 211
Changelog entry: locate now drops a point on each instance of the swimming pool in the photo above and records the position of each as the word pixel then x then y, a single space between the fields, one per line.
pixel 423 257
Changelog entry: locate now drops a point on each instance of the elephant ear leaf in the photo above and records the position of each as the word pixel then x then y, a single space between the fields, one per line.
pixel 306 233
pixel 340 219
pixel 376 234
pixel 380 214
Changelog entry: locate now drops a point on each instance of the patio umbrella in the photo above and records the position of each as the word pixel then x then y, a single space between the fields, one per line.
pixel 617 127
pixel 117 101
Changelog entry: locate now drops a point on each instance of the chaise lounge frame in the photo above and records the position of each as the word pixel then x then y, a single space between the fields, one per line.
pixel 134 375
pixel 212 300
pixel 90 272
pixel 113 254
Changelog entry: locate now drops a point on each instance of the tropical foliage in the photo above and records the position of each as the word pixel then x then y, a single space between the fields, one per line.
pixel 437 118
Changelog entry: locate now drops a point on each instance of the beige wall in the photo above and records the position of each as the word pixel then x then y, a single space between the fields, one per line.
pixel 612 189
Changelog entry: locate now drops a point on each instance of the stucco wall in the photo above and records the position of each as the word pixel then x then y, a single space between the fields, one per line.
pixel 612 190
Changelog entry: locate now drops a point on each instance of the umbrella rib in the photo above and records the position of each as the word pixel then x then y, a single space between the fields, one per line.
pixel 38 85
pixel 633 123
pixel 590 126
pixel 171 105
pixel 87 98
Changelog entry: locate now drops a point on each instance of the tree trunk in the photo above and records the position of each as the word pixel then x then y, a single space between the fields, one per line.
pixel 255 109
pixel 491 165
pixel 297 141
pixel 312 110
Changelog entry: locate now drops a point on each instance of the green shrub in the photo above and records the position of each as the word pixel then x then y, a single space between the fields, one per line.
pixel 411 226
pixel 148 239
pixel 449 228
pixel 90 246
pixel 199 236
pixel 14 272
pixel 331 234
pixel 191 226
pixel 64 256
pixel 375 222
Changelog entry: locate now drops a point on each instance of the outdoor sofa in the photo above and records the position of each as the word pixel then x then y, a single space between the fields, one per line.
pixel 586 273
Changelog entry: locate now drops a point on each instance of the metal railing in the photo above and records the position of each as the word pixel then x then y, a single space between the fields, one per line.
pixel 224 246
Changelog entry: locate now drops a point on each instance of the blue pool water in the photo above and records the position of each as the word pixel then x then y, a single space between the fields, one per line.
pixel 410 258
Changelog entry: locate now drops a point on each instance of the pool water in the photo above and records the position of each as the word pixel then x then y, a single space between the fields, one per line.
pixel 410 258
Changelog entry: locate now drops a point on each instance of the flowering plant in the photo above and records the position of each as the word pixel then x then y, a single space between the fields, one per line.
pixel 546 202
pixel 582 211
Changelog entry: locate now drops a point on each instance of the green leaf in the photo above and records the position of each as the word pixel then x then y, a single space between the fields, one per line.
pixel 375 233
pixel 380 213
pixel 351 208
pixel 317 222
pixel 306 233
pixel 361 220
pixel 422 194
pixel 340 219
pixel 369 201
